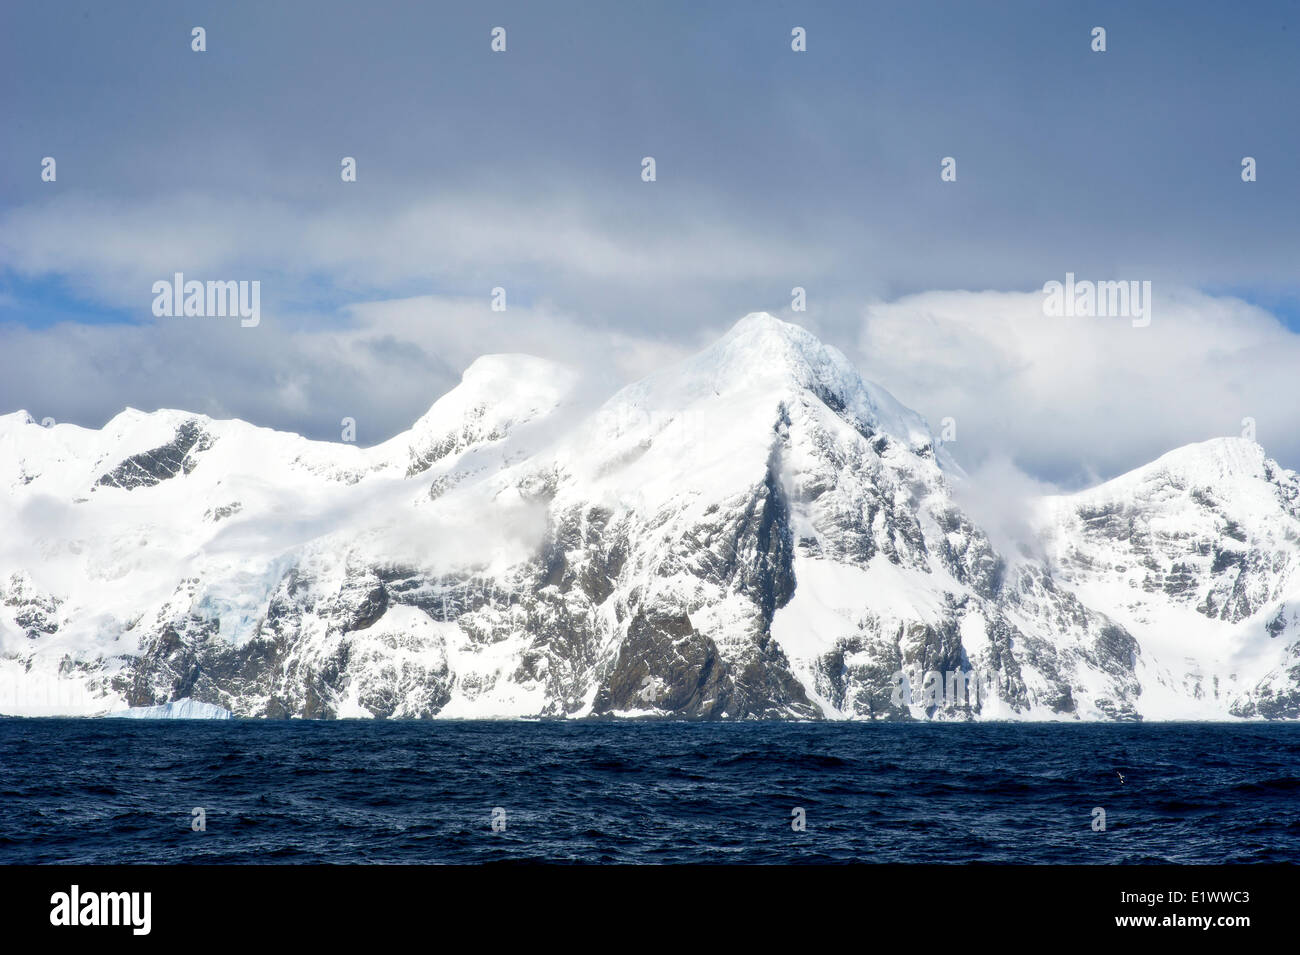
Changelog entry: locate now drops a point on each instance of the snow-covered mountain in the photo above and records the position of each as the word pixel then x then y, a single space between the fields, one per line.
pixel 1198 556
pixel 755 533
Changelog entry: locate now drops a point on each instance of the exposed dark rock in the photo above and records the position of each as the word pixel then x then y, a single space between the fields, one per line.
pixel 180 455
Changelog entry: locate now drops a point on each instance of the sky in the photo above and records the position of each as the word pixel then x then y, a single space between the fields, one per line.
pixel 774 169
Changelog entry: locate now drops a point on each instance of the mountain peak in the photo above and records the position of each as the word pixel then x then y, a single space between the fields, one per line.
pixel 761 335
pixel 1210 461
pixel 765 323
pixel 763 351
pixel 497 393
pixel 1229 470
pixel 502 385
pixel 16 419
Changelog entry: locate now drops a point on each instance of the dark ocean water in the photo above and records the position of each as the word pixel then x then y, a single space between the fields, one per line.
pixel 116 791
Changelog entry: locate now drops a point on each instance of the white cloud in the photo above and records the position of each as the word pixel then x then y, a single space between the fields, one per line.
pixel 997 496
pixel 1077 399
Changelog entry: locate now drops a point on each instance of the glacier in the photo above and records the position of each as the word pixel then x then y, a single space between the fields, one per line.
pixel 185 709
pixel 754 533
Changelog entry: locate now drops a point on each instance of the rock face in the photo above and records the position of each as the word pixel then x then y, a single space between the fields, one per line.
pixel 756 533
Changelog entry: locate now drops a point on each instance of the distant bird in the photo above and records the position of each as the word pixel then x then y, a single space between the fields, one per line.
pixel 1121 777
